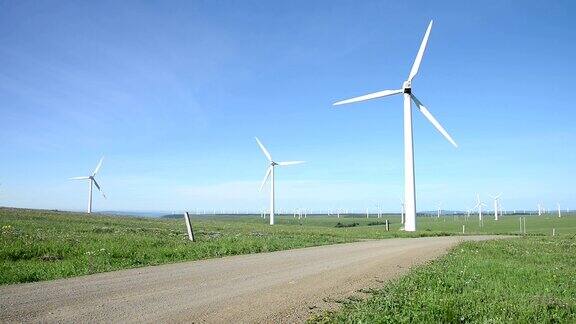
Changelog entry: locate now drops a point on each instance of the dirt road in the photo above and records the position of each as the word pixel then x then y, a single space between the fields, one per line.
pixel 284 286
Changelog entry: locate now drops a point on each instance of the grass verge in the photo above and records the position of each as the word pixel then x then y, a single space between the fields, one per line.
pixel 522 280
pixel 38 245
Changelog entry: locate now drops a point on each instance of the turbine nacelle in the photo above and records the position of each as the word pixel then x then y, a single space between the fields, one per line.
pixel 407 87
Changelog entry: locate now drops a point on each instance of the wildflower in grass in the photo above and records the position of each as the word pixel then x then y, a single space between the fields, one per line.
pixel 7 229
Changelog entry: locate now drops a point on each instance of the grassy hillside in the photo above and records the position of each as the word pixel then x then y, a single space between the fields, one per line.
pixel 41 245
pixel 521 280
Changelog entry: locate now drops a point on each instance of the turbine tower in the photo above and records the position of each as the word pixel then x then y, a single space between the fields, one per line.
pixel 270 174
pixel 496 204
pixel 92 181
pixel 409 181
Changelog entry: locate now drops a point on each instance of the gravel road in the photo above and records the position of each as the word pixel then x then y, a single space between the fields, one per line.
pixel 283 286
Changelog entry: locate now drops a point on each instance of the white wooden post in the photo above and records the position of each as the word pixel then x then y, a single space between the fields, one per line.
pixel 524 225
pixel 189 226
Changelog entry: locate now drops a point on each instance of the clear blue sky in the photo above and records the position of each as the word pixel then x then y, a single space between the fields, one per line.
pixel 173 93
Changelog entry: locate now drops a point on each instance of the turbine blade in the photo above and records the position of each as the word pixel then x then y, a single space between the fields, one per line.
pixel 418 59
pixel 290 162
pixel 98 166
pixel 432 120
pixel 79 178
pixel 99 189
pixel 265 177
pixel 264 150
pixel 374 95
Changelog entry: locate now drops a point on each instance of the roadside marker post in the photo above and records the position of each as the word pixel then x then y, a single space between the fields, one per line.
pixel 189 226
pixel 524 225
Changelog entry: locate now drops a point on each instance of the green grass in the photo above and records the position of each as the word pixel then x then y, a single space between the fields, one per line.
pixel 40 245
pixel 521 280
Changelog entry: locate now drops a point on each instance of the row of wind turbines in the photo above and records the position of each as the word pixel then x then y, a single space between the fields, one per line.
pixel 409 202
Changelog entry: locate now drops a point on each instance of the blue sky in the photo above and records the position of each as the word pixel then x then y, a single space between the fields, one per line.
pixel 173 93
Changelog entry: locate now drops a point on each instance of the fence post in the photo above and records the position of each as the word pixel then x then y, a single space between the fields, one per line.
pixel 524 224
pixel 387 226
pixel 189 227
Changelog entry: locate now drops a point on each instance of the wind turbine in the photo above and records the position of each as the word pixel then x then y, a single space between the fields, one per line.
pixel 92 180
pixel 270 174
pixel 559 212
pixel 479 205
pixel 439 209
pixel 402 212
pixel 496 203
pixel 409 181
pixel 539 209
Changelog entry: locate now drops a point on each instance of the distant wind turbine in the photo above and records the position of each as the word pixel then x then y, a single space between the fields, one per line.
pixel 270 174
pixel 92 180
pixel 479 205
pixel 496 203
pixel 402 212
pixel 409 180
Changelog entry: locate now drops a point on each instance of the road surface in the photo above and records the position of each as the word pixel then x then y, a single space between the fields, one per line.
pixel 283 286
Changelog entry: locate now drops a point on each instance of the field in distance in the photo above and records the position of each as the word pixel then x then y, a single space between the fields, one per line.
pixel 38 245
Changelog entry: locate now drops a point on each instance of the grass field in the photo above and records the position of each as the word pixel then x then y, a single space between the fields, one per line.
pixel 41 245
pixel 522 280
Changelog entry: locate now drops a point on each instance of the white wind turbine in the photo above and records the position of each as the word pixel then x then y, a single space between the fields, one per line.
pixel 479 205
pixel 496 205
pixel 539 209
pixel 270 174
pixel 92 180
pixel 402 212
pixel 409 181
pixel 559 211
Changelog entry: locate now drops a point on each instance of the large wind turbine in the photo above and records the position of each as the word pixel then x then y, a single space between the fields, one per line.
pixel 92 180
pixel 270 174
pixel 409 181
